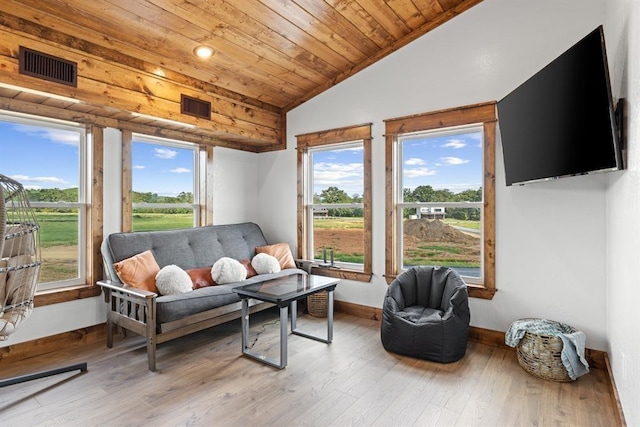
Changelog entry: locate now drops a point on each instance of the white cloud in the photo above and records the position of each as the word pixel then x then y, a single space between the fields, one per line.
pixel 56 135
pixel 418 172
pixel 454 160
pixel 180 170
pixel 414 161
pixel 139 166
pixel 41 179
pixel 455 143
pixel 165 153
pixel 346 176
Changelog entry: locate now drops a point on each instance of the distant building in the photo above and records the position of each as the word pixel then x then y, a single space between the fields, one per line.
pixel 320 212
pixel 431 213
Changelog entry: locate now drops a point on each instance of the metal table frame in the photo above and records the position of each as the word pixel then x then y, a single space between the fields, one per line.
pixel 284 323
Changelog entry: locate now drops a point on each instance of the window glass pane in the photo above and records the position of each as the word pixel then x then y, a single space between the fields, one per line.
pixel 45 157
pixel 338 174
pixel 59 244
pixel 148 219
pixel 162 173
pixel 338 177
pixel 436 167
pixel 341 231
pixel 453 240
pixel 443 166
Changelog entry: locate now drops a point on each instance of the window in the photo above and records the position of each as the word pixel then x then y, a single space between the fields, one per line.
pixel 334 185
pixel 440 194
pixel 164 184
pixel 48 157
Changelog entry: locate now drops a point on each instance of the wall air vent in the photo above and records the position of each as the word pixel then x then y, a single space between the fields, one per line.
pixel 48 67
pixel 195 107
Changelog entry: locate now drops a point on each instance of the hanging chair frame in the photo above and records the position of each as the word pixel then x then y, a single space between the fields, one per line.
pixel 18 223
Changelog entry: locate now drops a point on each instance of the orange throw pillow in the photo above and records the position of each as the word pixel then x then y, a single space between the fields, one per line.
pixel 281 252
pixel 139 271
pixel 201 277
pixel 250 270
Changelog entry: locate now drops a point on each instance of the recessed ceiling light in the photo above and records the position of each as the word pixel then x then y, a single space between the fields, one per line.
pixel 203 52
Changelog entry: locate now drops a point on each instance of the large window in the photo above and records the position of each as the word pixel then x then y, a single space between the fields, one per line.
pixel 440 194
pixel 335 193
pixel 164 183
pixel 48 158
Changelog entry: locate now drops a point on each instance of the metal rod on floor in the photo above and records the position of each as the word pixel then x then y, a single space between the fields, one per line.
pixel 24 378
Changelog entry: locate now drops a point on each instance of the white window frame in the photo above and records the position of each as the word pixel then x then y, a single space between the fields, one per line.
pixel 401 205
pixel 310 205
pixel 80 205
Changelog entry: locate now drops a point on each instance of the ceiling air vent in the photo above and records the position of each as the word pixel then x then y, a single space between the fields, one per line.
pixel 195 107
pixel 48 67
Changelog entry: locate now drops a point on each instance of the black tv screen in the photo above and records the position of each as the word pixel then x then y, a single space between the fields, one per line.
pixel 561 122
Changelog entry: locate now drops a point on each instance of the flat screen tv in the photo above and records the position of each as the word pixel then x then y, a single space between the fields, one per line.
pixel 562 121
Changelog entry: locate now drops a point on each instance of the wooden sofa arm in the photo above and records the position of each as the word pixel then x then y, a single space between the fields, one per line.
pixel 133 309
pixel 115 286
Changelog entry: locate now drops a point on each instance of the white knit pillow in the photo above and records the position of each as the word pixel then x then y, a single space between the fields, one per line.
pixel 171 279
pixel 264 263
pixel 228 270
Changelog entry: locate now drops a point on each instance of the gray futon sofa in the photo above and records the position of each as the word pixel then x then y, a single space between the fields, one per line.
pixel 161 318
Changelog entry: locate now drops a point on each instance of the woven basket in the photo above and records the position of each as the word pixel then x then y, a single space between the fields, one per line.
pixel 540 355
pixel 317 304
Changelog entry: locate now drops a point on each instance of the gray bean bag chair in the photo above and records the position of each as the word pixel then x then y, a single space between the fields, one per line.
pixel 426 314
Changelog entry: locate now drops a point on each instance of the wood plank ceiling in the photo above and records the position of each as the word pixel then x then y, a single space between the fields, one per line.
pixel 137 56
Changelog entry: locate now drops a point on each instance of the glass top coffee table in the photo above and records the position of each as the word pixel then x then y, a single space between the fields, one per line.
pixel 285 292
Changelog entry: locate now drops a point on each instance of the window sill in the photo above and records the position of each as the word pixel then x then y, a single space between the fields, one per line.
pixel 474 291
pixel 71 293
pixel 341 273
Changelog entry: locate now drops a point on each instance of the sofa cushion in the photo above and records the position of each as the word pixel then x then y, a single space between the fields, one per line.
pixel 281 251
pixel 250 270
pixel 139 271
pixel 265 263
pixel 171 279
pixel 201 277
pixel 228 270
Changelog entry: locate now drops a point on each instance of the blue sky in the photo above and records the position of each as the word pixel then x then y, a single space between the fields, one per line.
pixel 342 168
pixel 452 162
pixel 47 158
pixel 162 169
pixel 39 158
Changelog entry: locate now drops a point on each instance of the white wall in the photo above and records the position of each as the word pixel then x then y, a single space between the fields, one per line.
pixel 623 211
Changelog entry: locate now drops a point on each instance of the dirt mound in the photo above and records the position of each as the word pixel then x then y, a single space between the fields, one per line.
pixel 434 230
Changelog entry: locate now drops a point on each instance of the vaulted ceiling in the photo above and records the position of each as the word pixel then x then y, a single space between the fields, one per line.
pixel 138 56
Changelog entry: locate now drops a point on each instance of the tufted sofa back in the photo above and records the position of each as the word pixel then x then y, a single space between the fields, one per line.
pixel 187 248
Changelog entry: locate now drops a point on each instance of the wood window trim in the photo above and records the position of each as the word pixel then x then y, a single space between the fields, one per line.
pixel 205 157
pixel 485 114
pixel 361 132
pixel 94 232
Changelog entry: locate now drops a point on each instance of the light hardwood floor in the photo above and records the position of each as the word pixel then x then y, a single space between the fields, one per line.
pixel 202 380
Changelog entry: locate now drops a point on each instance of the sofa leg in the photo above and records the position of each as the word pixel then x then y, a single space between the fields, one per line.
pixel 151 353
pixel 109 331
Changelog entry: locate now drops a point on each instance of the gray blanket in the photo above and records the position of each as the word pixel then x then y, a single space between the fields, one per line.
pixel 573 341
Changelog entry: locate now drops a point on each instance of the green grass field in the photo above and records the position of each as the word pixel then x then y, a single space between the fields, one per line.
pixel 59 239
pixel 61 229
